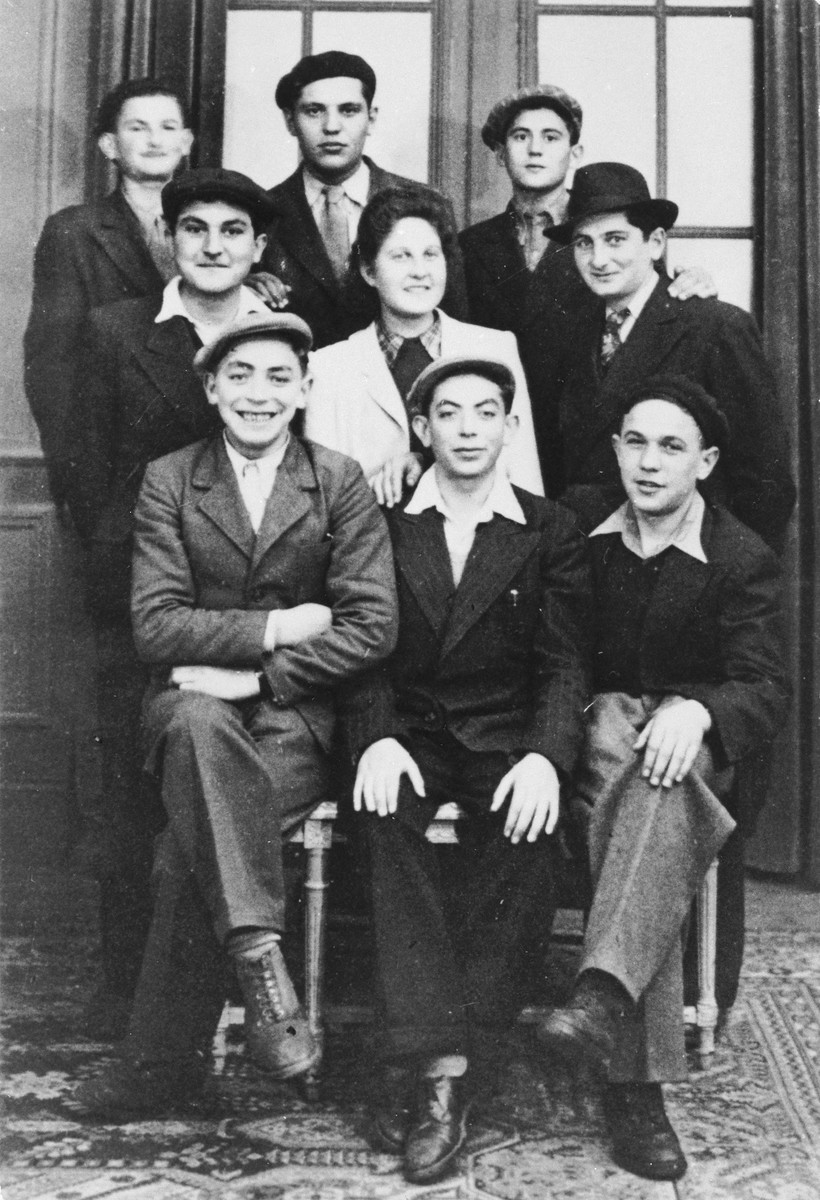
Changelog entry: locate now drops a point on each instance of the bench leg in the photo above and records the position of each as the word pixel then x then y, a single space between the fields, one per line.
pixel 316 885
pixel 707 1010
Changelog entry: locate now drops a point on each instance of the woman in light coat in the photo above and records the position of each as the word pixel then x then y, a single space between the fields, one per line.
pixel 357 402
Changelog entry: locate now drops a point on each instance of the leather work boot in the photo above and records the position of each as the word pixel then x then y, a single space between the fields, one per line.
pixel 392 1111
pixel 438 1129
pixel 276 1029
pixel 124 1090
pixel 643 1140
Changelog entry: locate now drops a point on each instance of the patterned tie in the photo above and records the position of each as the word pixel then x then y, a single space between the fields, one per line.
pixel 611 340
pixel 334 229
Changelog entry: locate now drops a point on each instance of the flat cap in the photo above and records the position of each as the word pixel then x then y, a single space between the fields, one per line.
pixel 281 326
pixel 607 187
pixel 545 95
pixel 421 393
pixel 330 65
pixel 217 183
pixel 702 407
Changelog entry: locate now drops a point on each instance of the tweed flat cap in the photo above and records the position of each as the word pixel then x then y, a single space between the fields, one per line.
pixel 421 393
pixel 545 95
pixel 280 325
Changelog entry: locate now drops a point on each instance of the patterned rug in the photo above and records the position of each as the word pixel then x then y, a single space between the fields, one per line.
pixel 750 1123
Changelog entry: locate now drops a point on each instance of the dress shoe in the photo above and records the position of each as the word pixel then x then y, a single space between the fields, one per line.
pixel 438 1128
pixel 392 1112
pixel 585 1033
pixel 643 1140
pixel 276 1029
pixel 124 1090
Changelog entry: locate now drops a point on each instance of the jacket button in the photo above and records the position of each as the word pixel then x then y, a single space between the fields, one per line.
pixel 429 718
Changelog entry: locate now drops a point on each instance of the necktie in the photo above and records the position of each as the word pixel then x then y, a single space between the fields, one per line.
pixel 159 247
pixel 535 239
pixel 408 364
pixel 611 340
pixel 334 230
pixel 252 494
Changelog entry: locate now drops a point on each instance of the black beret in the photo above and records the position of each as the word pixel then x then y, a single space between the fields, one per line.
pixel 330 65
pixel 691 397
pixel 216 183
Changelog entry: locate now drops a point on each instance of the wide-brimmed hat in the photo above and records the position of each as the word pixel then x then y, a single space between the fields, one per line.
pixel 217 183
pixel 611 187
pixel 420 394
pixel 282 326
pixel 545 95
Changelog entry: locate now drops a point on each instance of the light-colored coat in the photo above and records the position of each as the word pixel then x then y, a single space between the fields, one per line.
pixel 355 406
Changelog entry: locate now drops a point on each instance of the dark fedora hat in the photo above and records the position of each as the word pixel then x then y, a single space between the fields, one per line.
pixel 611 187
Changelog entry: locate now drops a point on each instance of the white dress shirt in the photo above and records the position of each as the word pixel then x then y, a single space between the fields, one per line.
pixel 685 537
pixel 636 304
pixel 174 306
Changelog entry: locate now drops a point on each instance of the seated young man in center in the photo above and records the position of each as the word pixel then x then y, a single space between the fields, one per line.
pixel 481 704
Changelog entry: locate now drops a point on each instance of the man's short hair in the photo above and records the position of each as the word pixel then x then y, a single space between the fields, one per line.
pixel 388 207
pixel 108 114
pixel 211 184
pixel 330 65
pixel 421 393
pixel 687 395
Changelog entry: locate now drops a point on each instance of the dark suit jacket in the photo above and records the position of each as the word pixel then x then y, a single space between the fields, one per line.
pixel 714 343
pixel 497 661
pixel 535 305
pixel 87 255
pixel 204 583
pixel 296 254
pixel 140 399
pixel 712 633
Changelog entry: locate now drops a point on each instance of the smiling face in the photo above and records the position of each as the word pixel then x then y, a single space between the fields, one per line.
pixel 331 121
pixel 661 457
pixel 258 387
pixel 410 270
pixel 466 427
pixel 215 247
pixel 150 139
pixel 614 257
pixel 536 152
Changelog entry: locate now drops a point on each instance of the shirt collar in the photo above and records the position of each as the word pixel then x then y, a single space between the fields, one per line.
pixel 502 500
pixel 686 538
pixel 172 306
pixel 639 300
pixel 355 188
pixel 391 343
pixel 268 464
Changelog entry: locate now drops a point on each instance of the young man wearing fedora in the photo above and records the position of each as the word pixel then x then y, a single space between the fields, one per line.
pixel 139 398
pixel 516 277
pixel 327 102
pixel 630 329
pixel 480 704
pixel 689 680
pixel 262 579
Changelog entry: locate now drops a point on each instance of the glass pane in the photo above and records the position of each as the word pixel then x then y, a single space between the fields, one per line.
pixel 710 125
pixel 578 53
pixel 708 3
pixel 261 48
pixel 728 261
pixel 398 47
pixel 545 4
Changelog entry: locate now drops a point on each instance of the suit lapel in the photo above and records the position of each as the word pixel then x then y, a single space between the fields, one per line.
pixel 119 237
pixel 299 235
pixel 288 501
pixel 166 357
pixel 221 502
pixel 424 563
pixel 498 552
pixel 378 381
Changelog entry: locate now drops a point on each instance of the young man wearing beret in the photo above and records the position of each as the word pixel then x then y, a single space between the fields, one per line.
pixel 139 398
pixel 480 704
pixel 516 277
pixel 262 579
pixel 689 680
pixel 327 101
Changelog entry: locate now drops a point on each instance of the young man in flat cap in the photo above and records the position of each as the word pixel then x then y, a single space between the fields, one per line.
pixel 327 101
pixel 630 329
pixel 139 399
pixel 480 704
pixel 92 254
pixel 516 277
pixel 689 680
pixel 262 579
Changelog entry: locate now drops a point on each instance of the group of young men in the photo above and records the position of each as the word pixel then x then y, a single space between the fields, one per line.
pixel 613 660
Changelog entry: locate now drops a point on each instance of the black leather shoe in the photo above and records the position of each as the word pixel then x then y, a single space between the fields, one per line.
pixel 276 1030
pixel 643 1140
pixel 580 1038
pixel 438 1129
pixel 125 1090
pixel 392 1112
